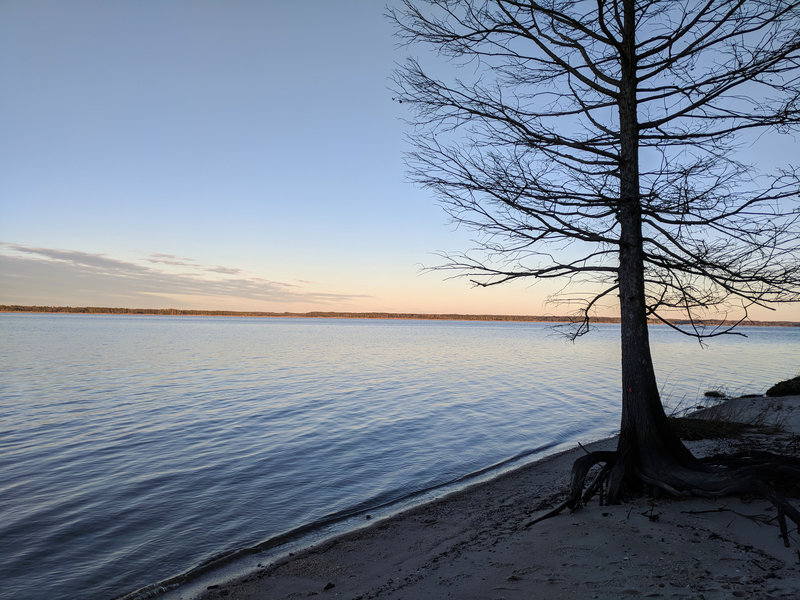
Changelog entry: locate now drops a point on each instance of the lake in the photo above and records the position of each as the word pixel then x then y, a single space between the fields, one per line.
pixel 133 448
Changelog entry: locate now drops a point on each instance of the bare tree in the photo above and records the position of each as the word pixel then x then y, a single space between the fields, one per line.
pixel 597 141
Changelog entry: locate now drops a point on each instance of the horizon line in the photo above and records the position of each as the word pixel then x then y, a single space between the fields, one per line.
pixel 98 310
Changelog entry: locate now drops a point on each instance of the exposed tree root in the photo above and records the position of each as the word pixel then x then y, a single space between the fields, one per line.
pixel 580 470
pixel 764 474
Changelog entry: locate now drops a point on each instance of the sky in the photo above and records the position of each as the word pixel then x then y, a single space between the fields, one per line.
pixel 237 155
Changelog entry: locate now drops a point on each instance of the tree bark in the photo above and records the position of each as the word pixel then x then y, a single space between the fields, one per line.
pixel 647 442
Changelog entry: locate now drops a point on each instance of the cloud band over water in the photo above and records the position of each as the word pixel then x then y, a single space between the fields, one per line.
pixel 48 276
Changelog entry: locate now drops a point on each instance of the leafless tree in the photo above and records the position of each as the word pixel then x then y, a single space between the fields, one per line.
pixel 597 141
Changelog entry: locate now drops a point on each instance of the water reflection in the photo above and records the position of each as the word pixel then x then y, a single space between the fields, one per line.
pixel 132 448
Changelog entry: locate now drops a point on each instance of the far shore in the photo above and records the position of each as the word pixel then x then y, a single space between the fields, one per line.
pixel 100 310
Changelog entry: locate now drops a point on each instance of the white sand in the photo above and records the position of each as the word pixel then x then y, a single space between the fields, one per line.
pixel 474 543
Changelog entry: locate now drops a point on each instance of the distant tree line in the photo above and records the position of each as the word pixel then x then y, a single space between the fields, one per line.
pixel 105 310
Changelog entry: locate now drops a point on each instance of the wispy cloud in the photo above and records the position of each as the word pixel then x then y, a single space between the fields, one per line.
pixel 171 259
pixel 181 261
pixel 223 270
pixel 55 276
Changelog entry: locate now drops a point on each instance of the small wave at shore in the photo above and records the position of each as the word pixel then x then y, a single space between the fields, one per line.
pixel 237 562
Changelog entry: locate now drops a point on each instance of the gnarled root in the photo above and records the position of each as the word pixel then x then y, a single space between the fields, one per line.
pixel 580 470
pixel 760 473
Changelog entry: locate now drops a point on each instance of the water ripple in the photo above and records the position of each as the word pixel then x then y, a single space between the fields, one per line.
pixel 133 448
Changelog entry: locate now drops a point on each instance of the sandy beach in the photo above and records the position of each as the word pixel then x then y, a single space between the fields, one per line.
pixel 476 543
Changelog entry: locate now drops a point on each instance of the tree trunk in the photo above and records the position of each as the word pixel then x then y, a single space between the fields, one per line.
pixel 647 443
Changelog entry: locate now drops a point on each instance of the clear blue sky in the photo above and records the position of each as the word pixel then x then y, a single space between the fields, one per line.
pixel 241 155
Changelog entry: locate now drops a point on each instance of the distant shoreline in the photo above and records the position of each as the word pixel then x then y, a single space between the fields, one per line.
pixel 98 310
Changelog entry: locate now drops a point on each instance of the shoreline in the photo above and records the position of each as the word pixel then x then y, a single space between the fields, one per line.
pixel 175 312
pixel 473 543
pixel 239 562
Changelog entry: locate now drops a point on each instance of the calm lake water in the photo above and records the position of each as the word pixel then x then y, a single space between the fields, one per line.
pixel 133 448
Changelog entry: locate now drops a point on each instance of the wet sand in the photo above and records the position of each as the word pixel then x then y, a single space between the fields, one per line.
pixel 474 544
